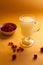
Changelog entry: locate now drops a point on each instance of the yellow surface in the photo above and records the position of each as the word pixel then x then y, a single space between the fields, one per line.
pixel 20 5
pixel 25 58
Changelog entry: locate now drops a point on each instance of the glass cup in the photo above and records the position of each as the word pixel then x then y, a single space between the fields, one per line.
pixel 28 26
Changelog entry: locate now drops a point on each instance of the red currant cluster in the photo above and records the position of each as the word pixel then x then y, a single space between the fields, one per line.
pixel 8 27
pixel 15 49
pixel 20 49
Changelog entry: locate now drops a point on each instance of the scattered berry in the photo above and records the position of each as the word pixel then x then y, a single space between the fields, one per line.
pixel 35 56
pixel 11 43
pixel 18 50
pixel 13 57
pixel 15 46
pixel 41 49
pixel 21 49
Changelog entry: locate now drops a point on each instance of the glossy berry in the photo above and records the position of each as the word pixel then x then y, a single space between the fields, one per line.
pixel 11 43
pixel 41 49
pixel 3 28
pixel 18 50
pixel 15 46
pixel 21 49
pixel 13 57
pixel 35 56
pixel 12 46
pixel 8 27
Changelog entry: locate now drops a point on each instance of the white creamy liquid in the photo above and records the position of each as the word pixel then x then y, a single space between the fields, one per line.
pixel 27 26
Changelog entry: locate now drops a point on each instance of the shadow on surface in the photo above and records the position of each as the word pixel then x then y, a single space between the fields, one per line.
pixel 2 36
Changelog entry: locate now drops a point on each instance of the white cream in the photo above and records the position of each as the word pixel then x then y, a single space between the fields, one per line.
pixel 27 25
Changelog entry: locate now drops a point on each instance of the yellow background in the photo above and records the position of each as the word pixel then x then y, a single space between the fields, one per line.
pixel 10 11
pixel 17 6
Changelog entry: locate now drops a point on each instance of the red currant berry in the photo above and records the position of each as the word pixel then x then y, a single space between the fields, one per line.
pixel 13 57
pixel 41 49
pixel 35 56
pixel 18 50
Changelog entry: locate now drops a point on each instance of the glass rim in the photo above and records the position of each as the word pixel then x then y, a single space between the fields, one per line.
pixel 29 18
